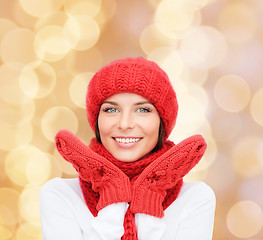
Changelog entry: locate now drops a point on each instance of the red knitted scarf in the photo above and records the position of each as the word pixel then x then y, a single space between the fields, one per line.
pixel 132 170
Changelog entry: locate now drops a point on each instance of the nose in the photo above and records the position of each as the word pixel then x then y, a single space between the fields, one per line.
pixel 126 120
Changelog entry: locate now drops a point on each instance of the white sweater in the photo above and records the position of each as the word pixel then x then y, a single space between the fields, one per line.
pixel 65 216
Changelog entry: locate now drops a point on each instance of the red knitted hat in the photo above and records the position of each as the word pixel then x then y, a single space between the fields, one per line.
pixel 133 75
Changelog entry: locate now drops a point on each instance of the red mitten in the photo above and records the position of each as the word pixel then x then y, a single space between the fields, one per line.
pixel 149 189
pixel 112 184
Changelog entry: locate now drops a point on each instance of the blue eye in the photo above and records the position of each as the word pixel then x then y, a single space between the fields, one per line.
pixel 110 110
pixel 144 110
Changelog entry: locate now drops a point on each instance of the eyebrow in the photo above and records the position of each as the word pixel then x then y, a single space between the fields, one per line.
pixel 110 102
pixel 144 102
pixel 138 103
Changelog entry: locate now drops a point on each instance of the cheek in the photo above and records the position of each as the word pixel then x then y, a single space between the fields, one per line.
pixel 151 127
pixel 104 126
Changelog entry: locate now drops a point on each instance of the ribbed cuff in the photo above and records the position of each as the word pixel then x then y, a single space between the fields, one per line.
pixel 148 202
pixel 114 192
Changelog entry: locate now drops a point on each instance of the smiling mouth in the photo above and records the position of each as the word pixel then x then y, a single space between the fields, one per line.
pixel 127 140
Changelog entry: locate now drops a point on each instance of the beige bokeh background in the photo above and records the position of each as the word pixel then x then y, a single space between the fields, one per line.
pixel 212 51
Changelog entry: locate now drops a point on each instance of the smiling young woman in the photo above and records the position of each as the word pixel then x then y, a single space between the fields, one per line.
pixel 130 183
pixel 128 126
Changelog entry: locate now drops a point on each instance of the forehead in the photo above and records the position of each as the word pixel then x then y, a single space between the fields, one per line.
pixel 127 98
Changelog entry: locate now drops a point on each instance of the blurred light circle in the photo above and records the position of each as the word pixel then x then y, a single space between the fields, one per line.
pixel 57 118
pixel 206 51
pixel 29 204
pixel 40 8
pixel 256 107
pixel 173 15
pixel 10 91
pixel 20 164
pixel 232 93
pixel 5 233
pixel 17 47
pixel 195 75
pixel 57 18
pixel 107 11
pixel 81 32
pixel 245 157
pixel 21 16
pixel 260 151
pixel 181 88
pixel 6 25
pixel 249 188
pixel 168 34
pixel 89 60
pixel 221 185
pixel 16 115
pixel 226 126
pixel 196 23
pixel 191 106
pixel 244 219
pixel 6 216
pixel 38 168
pixel 15 136
pixel 169 60
pixel 193 5
pixel 55 167
pixel 28 231
pixel 173 65
pixel 50 44
pixel 205 128
pixel 82 7
pixel 152 38
pixel 78 88
pixel 199 93
pixel 9 212
pixel 237 19
pixel 28 82
pixel 211 151
pixel 37 81
pixel 190 119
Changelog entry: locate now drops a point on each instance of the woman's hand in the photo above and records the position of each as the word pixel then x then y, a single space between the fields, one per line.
pixel 112 184
pixel 149 189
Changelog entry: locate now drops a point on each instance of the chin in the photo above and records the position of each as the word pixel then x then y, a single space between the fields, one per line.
pixel 124 158
pixel 127 159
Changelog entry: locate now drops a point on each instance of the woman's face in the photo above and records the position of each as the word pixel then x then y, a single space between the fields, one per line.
pixel 129 126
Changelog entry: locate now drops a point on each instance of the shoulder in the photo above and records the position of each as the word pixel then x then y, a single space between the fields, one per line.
pixel 196 190
pixel 197 196
pixel 63 212
pixel 194 195
pixel 61 188
pixel 57 184
pixel 191 215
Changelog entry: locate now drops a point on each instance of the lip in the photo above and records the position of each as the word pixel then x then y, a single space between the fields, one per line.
pixel 127 145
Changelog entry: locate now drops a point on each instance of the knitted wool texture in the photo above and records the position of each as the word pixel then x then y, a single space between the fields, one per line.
pixel 150 185
pixel 133 75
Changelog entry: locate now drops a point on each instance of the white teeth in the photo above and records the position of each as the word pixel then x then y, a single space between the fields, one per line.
pixel 127 140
